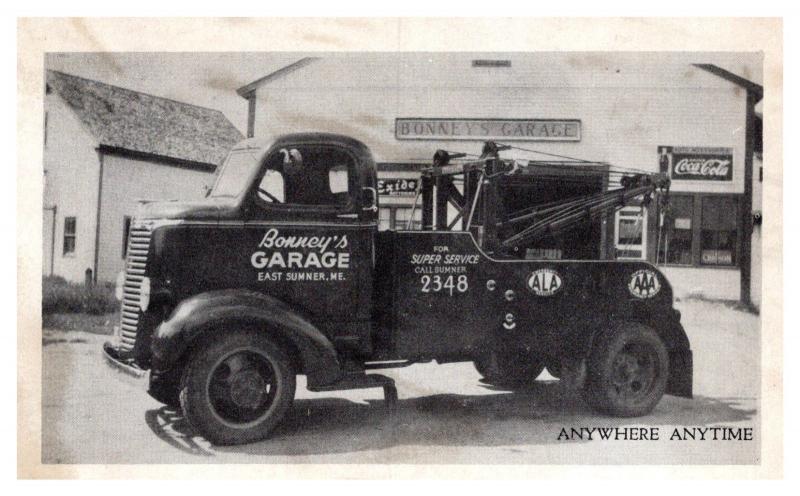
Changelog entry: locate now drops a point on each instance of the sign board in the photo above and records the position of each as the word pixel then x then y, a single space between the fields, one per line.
pixel 696 163
pixel 488 129
pixel 397 187
pixel 717 257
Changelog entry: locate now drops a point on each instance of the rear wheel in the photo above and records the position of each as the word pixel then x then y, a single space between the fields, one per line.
pixel 510 368
pixel 237 388
pixel 627 371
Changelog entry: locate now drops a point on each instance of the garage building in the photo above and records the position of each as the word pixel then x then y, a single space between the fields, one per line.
pixel 677 113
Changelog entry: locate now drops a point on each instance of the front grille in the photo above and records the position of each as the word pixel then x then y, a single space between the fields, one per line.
pixel 136 263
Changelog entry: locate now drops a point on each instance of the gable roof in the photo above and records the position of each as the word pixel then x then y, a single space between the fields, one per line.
pixel 750 86
pixel 245 90
pixel 429 70
pixel 126 120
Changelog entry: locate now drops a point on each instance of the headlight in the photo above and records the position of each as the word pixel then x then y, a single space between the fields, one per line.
pixel 118 290
pixel 144 295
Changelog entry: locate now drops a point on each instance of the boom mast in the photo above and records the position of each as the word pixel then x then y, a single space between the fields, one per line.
pixel 480 193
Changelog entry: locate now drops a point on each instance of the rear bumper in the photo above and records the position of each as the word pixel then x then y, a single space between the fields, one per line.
pixel 127 367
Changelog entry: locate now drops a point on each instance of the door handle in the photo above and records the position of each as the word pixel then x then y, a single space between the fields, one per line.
pixel 374 206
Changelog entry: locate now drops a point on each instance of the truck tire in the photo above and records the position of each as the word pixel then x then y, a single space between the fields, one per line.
pixel 627 371
pixel 509 368
pixel 237 388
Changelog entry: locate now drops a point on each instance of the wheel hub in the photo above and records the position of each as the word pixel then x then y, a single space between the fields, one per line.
pixel 247 389
pixel 629 374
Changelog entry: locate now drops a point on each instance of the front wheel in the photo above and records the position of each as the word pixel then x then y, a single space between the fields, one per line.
pixel 237 388
pixel 627 371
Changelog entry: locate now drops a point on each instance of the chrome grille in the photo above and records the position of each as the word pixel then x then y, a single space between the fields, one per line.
pixel 136 263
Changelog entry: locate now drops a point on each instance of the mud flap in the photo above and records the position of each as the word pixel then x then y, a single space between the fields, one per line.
pixel 681 374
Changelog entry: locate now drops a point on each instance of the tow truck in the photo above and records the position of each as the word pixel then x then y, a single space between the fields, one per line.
pixel 282 271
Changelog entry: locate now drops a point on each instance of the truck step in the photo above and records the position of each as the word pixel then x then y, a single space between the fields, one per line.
pixel 363 381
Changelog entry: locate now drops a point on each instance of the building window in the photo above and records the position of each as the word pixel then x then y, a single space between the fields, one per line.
pixel 402 216
pixel 384 219
pixel 700 230
pixel 718 236
pixel 677 240
pixel 69 235
pixel 630 230
pixel 126 230
pixel 397 218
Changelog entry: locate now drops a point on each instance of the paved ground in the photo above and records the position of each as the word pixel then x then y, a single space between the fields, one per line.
pixel 445 415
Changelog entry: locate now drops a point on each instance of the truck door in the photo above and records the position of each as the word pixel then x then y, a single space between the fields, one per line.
pixel 309 237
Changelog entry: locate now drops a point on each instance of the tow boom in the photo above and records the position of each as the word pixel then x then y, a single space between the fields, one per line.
pixel 531 223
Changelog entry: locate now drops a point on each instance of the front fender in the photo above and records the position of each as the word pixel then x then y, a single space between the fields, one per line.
pixel 217 311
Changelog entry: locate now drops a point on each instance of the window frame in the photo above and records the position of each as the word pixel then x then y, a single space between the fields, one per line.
pixel 393 217
pixel 697 228
pixel 352 184
pixel 736 253
pixel 641 212
pixel 73 236
pixel 695 218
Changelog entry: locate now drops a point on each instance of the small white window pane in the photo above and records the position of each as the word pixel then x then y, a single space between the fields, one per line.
pixel 337 177
pixel 271 188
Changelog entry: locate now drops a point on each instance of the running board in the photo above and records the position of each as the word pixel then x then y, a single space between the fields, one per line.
pixel 363 381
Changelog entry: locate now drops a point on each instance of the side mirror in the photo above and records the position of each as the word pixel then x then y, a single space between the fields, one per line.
pixel 206 190
pixel 374 201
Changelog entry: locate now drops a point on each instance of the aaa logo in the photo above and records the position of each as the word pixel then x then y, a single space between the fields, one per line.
pixel 644 284
pixel 544 282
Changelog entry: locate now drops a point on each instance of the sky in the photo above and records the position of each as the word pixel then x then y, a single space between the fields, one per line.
pixel 210 79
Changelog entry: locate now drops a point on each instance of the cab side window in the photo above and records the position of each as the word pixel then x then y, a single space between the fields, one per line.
pixel 271 189
pixel 308 176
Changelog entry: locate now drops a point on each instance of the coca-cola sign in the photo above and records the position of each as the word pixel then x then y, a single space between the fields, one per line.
pixel 697 163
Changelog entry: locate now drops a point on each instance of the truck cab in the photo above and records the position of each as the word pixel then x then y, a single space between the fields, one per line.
pixel 281 271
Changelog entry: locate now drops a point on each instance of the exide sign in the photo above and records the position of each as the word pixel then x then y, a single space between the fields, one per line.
pixel 697 163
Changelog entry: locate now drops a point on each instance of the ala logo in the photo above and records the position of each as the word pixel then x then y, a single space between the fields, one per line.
pixel 644 284
pixel 544 282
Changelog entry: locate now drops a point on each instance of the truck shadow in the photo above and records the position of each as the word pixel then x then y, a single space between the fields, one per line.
pixel 533 417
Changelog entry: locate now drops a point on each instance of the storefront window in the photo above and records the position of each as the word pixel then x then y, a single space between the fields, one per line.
pixel 677 241
pixel 402 215
pixel 384 219
pixel 397 218
pixel 718 235
pixel 700 230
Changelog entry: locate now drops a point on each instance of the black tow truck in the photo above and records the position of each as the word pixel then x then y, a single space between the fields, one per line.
pixel 281 271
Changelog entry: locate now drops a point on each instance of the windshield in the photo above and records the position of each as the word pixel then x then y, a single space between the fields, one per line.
pixel 235 175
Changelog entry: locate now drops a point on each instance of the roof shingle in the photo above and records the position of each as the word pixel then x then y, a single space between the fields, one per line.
pixel 138 122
